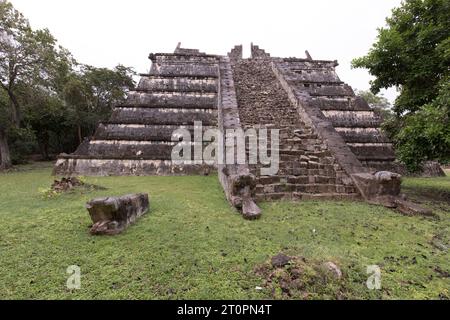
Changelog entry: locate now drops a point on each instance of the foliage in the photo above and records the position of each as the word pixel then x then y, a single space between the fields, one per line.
pixel 378 103
pixel 48 101
pixel 412 53
pixel 27 57
pixel 374 100
pixel 92 93
pixel 48 193
pixel 425 135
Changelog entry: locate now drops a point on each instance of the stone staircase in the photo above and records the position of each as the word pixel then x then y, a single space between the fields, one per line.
pixel 137 140
pixel 307 169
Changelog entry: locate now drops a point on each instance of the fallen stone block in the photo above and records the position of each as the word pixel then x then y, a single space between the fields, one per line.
pixel 112 215
pixel 280 260
pixel 380 188
pixel 432 169
pixel 239 188
pixel 383 188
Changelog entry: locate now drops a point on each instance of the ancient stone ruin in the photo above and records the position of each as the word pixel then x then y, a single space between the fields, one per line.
pixel 331 145
pixel 113 215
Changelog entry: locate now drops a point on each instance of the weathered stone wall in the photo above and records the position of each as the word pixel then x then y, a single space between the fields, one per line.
pixel 258 53
pixel 72 165
pixel 236 53
pixel 161 116
pixel 141 132
pixel 157 83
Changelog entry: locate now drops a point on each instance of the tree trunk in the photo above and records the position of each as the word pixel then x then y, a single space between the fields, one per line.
pixel 16 109
pixel 43 142
pixel 5 156
pixel 80 137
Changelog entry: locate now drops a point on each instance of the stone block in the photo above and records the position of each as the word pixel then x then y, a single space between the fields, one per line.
pixel 112 215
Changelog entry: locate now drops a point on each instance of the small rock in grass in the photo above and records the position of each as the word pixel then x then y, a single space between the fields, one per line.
pixel 333 268
pixel 280 260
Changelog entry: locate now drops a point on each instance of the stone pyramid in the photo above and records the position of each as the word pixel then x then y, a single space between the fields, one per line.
pixel 331 144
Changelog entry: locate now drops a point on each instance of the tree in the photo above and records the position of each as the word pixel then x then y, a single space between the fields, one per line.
pixel 374 100
pixel 378 103
pixel 45 115
pixel 28 59
pixel 92 93
pixel 48 102
pixel 26 56
pixel 412 53
pixel 425 135
pixel 5 157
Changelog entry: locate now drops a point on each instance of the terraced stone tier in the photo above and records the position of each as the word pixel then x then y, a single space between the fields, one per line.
pixel 353 119
pixel 351 116
pixel 163 116
pixel 316 89
pixel 126 167
pixel 127 149
pixel 183 58
pixel 180 89
pixel 362 135
pixel 340 104
pixel 140 132
pixel 373 151
pixel 184 65
pixel 181 84
pixel 171 100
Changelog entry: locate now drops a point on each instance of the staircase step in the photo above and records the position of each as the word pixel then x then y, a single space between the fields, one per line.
pixel 297 196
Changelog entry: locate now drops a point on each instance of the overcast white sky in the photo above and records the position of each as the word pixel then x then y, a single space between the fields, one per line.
pixel 107 32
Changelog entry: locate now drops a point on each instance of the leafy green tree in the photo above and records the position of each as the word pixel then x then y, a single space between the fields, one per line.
pixel 5 156
pixel 28 58
pixel 48 102
pixel 425 135
pixel 92 93
pixel 374 100
pixel 45 114
pixel 378 102
pixel 413 54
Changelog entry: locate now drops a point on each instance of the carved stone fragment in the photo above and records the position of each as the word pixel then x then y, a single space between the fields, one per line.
pixel 112 215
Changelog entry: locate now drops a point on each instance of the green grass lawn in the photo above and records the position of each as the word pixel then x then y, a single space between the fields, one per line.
pixel 193 245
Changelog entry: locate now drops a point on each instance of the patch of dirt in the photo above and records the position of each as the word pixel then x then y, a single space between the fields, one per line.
pixel 438 242
pixel 300 278
pixel 442 273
